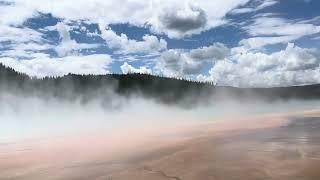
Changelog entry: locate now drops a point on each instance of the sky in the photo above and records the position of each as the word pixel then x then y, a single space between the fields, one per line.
pixel 242 43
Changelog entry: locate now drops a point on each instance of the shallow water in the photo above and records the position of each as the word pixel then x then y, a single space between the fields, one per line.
pixel 207 151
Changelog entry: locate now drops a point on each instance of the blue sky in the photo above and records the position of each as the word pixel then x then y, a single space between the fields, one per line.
pixel 244 43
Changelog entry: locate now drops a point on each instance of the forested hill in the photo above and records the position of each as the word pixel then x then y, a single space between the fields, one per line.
pixel 73 86
pixel 166 90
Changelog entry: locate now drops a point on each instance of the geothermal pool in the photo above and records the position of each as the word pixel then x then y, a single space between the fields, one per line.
pixel 277 146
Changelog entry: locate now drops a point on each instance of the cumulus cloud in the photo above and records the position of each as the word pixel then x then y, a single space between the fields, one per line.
pixel 29 50
pixel 160 15
pixel 124 45
pixel 43 65
pixel 182 62
pixel 183 21
pixel 191 14
pixel 128 69
pixel 292 66
pixel 179 19
pixel 216 51
pixel 175 63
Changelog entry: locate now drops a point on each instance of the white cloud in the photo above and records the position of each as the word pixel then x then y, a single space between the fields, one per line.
pixel 282 27
pixel 27 50
pixel 178 19
pixel 24 42
pixel 266 3
pixel 184 63
pixel 67 45
pixel 216 51
pixel 258 42
pixel 267 30
pixel 135 12
pixel 128 69
pixel 175 18
pixel 242 11
pixel 175 63
pixel 42 65
pixel 18 34
pixel 179 22
pixel 292 66
pixel 123 45
pixel 263 4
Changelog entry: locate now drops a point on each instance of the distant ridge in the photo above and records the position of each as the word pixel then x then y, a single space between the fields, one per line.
pixel 166 90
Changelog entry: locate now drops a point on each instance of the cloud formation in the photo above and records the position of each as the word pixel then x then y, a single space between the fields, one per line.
pixel 128 69
pixel 292 66
pixel 42 65
pixel 160 14
pixel 273 30
pixel 183 21
pixel 67 45
pixel 261 5
pixel 123 45
pixel 167 37
pixel 182 63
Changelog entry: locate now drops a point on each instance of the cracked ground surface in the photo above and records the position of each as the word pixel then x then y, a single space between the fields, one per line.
pixel 284 150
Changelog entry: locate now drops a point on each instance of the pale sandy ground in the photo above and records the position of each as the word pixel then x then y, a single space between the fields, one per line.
pixel 278 146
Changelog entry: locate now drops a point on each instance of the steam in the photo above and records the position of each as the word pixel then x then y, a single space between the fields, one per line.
pixel 25 116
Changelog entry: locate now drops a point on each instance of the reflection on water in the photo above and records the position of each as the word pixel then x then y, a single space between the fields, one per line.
pixel 291 151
